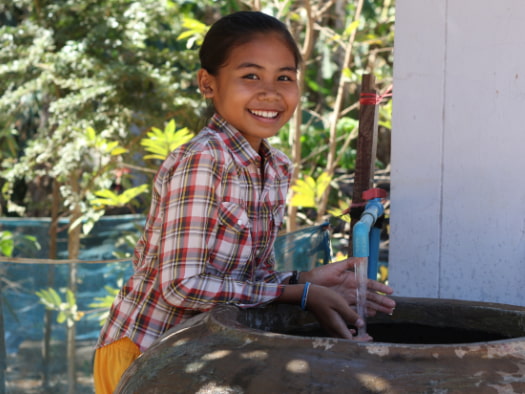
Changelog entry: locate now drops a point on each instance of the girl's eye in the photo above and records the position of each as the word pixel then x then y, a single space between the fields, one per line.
pixel 250 76
pixel 285 78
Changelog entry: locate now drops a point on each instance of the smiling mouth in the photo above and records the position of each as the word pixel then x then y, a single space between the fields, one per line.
pixel 265 114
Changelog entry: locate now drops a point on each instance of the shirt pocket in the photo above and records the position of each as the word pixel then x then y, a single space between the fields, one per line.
pixel 233 216
pixel 232 247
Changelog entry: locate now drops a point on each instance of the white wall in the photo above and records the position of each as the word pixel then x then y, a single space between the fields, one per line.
pixel 458 150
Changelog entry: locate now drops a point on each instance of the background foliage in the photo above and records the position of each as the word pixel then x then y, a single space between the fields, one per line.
pixel 122 69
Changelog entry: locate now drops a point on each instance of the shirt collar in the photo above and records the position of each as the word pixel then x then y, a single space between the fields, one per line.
pixel 237 143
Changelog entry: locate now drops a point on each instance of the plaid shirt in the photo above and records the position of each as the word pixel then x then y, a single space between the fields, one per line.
pixel 208 238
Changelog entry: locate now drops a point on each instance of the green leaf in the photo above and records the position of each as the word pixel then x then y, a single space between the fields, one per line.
pixel 130 194
pixel 119 150
pixel 323 181
pixel 351 27
pixel 108 198
pixel 102 302
pixel 49 298
pixel 7 244
pixel 347 74
pixel 304 193
pixel 54 297
pixel 106 193
pixel 44 300
pixel 308 191
pixel 7 247
pixel 61 318
pixel 161 142
pixel 155 157
pixel 91 135
pixel 185 34
pixel 70 297
pixel 302 200
pixel 195 31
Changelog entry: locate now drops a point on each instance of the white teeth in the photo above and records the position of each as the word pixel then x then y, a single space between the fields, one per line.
pixel 265 114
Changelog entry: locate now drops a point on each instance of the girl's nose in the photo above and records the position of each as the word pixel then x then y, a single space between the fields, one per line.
pixel 269 91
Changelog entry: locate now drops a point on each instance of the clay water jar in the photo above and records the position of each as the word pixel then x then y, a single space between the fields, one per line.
pixel 426 346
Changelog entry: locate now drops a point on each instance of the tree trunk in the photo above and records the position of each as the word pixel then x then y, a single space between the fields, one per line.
pixel 73 251
pixel 48 317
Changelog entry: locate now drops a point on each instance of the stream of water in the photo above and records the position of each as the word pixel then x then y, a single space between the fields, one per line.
pixel 361 275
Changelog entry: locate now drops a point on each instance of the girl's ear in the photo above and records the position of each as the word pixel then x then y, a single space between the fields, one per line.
pixel 205 81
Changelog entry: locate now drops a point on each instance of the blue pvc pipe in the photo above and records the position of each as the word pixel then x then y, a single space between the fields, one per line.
pixel 373 260
pixel 360 236
pixel 365 238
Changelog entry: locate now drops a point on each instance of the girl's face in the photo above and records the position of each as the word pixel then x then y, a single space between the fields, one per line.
pixel 256 90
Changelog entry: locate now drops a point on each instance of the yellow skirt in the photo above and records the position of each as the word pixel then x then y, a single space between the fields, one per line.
pixel 110 363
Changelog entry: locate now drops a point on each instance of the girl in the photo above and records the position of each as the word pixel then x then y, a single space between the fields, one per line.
pixel 217 206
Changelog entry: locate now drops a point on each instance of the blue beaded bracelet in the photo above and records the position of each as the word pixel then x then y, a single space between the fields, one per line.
pixel 305 295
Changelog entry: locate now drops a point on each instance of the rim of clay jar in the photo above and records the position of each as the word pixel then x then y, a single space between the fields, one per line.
pixel 246 324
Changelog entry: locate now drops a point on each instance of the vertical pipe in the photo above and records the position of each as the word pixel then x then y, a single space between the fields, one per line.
pixel 363 243
pixel 375 237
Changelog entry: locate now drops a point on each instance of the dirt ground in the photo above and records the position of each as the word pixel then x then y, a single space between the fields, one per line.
pixel 24 369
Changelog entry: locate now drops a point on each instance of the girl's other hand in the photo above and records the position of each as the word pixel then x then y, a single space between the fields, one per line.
pixel 333 312
pixel 340 277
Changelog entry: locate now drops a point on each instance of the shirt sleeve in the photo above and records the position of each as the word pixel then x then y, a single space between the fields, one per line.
pixel 267 273
pixel 194 273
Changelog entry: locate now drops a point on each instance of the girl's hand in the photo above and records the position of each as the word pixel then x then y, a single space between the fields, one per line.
pixel 340 277
pixel 333 312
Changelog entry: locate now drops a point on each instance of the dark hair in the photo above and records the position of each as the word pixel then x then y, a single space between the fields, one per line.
pixel 236 29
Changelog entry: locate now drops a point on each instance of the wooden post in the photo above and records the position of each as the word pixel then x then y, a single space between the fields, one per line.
pixel 366 150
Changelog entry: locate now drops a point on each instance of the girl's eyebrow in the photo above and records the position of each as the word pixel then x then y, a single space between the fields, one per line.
pixel 255 65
